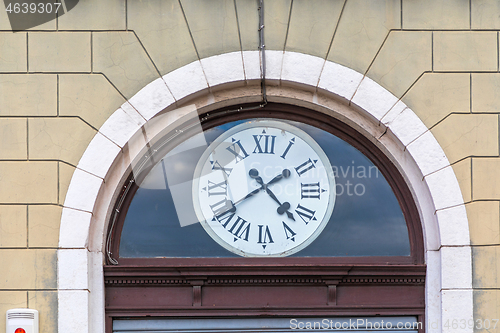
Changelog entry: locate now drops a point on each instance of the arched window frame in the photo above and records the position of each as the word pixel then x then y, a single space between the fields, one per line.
pixel 301 115
pixel 375 110
pixel 325 284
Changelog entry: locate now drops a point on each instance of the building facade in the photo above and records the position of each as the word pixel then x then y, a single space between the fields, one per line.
pixel 82 95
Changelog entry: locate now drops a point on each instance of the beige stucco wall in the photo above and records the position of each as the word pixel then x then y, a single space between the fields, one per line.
pixel 59 83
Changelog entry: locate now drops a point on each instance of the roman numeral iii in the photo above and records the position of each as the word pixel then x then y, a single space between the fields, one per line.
pixel 311 190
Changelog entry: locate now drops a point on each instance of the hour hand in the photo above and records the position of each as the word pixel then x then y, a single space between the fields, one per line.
pixel 283 208
pixel 271 194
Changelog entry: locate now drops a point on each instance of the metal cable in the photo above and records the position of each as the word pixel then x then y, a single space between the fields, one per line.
pixel 262 52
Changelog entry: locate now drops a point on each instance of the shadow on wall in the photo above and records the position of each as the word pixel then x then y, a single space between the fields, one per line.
pixel 29 14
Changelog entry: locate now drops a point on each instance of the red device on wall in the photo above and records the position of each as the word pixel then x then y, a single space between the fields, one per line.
pixel 22 321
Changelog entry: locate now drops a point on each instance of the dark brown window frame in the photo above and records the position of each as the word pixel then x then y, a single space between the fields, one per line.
pixel 335 286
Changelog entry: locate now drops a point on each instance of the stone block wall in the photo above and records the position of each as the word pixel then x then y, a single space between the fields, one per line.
pixel 60 81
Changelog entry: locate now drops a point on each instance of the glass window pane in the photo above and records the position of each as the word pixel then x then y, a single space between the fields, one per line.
pixel 408 324
pixel 367 219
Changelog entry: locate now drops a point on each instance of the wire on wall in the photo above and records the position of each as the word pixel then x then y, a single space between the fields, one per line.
pixel 262 52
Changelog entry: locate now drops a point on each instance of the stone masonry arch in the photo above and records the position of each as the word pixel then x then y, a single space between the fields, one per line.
pixel 293 78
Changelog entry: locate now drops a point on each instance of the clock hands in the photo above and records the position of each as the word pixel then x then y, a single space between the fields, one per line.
pixel 284 174
pixel 283 207
pixel 230 207
pixel 254 173
pixel 248 196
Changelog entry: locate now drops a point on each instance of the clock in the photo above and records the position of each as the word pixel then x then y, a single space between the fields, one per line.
pixel 264 188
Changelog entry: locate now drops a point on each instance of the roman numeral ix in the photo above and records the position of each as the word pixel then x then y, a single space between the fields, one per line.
pixel 217 188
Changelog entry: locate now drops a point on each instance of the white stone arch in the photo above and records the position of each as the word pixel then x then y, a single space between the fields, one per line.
pixel 294 78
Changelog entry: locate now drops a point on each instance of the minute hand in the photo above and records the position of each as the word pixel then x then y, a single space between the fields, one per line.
pixel 254 192
pixel 230 207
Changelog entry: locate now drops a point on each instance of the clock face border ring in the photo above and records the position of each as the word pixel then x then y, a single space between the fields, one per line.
pixel 281 125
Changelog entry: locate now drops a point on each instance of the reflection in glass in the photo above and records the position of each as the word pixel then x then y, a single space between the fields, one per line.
pixel 366 221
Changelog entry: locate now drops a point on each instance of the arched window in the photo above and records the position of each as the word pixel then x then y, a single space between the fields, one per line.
pixel 278 210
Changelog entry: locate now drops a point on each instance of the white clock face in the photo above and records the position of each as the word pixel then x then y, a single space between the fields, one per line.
pixel 264 188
